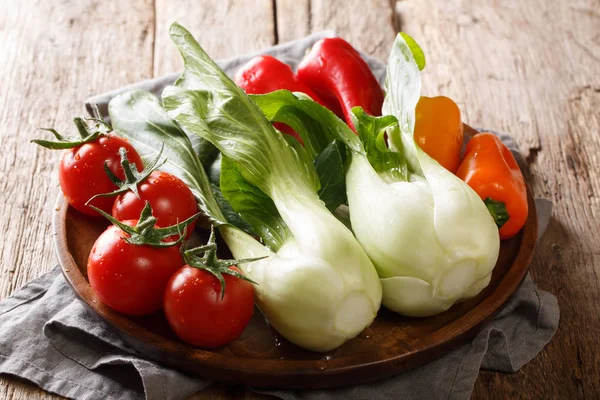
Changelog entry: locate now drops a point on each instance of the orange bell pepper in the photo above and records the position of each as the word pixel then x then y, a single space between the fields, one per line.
pixel 439 130
pixel 491 170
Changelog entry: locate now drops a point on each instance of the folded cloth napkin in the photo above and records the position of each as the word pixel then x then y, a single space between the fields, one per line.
pixel 49 338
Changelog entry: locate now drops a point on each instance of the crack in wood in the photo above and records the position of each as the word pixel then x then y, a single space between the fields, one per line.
pixel 532 154
pixel 309 14
pixel 152 58
pixel 275 27
pixel 581 90
pixel 396 15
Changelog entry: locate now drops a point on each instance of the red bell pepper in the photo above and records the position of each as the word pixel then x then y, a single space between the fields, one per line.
pixel 337 73
pixel 266 74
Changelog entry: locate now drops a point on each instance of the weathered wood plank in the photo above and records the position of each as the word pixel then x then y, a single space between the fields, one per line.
pixel 369 27
pixel 532 69
pixel 223 28
pixel 54 55
pixel 48 70
pixel 529 68
pixel 293 19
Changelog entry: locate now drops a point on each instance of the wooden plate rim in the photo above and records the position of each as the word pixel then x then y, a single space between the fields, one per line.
pixel 260 372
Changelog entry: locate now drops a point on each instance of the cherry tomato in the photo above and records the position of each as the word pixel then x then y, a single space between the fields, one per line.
pixel 128 278
pixel 196 312
pixel 82 176
pixel 439 130
pixel 171 199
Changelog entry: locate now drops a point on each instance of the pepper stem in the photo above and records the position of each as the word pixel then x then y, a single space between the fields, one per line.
pixel 498 211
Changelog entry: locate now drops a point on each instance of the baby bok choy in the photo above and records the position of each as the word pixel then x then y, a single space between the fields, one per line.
pixel 430 237
pixel 441 244
pixel 317 286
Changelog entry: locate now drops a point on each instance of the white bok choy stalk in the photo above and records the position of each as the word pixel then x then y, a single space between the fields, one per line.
pixel 429 235
pixel 318 287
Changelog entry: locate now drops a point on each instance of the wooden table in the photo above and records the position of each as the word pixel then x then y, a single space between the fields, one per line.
pixel 530 68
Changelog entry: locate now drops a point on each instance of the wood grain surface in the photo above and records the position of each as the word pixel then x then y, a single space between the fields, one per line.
pixel 530 68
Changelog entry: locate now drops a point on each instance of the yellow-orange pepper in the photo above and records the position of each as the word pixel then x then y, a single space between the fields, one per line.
pixel 439 130
pixel 491 170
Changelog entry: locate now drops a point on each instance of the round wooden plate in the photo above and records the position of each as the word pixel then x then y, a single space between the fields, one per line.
pixel 262 358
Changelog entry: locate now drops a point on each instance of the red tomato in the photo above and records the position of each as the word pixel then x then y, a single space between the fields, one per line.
pixel 199 316
pixel 82 176
pixel 171 200
pixel 266 74
pixel 128 278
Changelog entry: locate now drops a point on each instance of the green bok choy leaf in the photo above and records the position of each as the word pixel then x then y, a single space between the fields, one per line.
pixel 318 288
pixel 428 234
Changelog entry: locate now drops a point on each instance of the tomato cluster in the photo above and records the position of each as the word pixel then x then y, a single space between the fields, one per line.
pixel 141 279
pixel 137 266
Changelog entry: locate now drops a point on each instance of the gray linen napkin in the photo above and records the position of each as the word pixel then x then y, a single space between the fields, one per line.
pixel 50 339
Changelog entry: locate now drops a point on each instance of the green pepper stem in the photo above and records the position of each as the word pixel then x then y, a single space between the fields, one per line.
pixel 498 211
